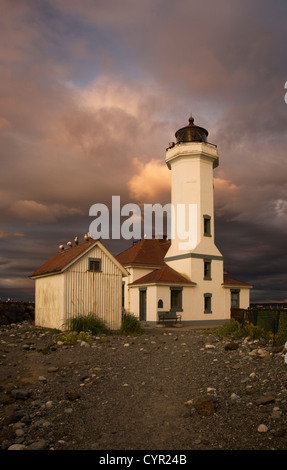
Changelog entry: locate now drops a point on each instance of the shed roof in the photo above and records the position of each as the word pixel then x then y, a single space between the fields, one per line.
pixel 146 252
pixel 59 262
pixel 163 275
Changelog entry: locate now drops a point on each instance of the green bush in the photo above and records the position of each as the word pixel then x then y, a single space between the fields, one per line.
pixel 88 323
pixel 130 325
pixel 239 330
pixel 282 327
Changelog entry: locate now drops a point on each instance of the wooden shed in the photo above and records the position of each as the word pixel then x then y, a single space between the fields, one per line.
pixel 80 280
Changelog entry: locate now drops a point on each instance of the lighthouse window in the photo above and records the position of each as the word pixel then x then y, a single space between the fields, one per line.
pixel 207 270
pixel 206 226
pixel 207 303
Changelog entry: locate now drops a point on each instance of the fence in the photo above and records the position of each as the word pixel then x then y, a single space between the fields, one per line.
pixel 273 320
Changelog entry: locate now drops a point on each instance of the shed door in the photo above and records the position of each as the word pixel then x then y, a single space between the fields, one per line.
pixel 142 305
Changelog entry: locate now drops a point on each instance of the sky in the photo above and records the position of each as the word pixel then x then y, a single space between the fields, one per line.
pixel 92 92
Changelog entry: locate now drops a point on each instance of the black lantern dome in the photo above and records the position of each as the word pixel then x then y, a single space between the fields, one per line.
pixel 191 133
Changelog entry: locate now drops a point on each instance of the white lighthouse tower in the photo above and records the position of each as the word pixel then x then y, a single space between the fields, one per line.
pixel 183 278
pixel 193 252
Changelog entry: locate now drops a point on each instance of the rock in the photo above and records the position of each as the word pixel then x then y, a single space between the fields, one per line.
pixel 41 444
pixel 276 413
pixel 234 397
pixel 72 395
pixel 68 411
pixel 232 346
pixel 43 379
pixel 262 428
pixel 264 400
pixel 53 369
pixel 17 447
pixel 85 376
pixel 20 393
pixel 15 417
pixel 204 405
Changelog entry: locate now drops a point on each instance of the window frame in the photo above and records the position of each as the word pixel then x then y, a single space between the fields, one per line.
pixel 177 308
pixel 207 272
pixel 207 225
pixel 95 260
pixel 237 292
pixel 208 307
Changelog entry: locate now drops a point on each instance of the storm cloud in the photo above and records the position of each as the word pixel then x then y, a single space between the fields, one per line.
pixel 91 94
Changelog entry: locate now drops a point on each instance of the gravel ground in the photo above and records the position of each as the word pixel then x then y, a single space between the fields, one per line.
pixel 168 389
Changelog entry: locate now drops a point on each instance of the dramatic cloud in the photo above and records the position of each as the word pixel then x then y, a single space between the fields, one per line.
pixel 91 94
pixel 151 181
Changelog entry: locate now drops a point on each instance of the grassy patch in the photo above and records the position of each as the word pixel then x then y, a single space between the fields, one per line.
pixel 238 330
pixel 88 323
pixel 130 325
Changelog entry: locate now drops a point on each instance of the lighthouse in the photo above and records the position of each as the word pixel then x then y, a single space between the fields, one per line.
pixel 191 160
pixel 181 280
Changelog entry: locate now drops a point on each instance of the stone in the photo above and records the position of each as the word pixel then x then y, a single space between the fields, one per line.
pixel 262 428
pixel 15 417
pixel 234 397
pixel 20 393
pixel 41 444
pixel 204 405
pixel 43 379
pixel 53 369
pixel 232 346
pixel 72 395
pixel 17 447
pixel 264 400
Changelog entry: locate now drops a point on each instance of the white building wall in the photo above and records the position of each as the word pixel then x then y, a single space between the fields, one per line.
pixel 134 301
pixel 49 302
pixel 244 296
pixel 135 273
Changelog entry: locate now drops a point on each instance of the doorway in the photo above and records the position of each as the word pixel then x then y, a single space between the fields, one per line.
pixel 142 316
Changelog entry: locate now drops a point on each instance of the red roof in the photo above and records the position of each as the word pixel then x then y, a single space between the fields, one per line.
pixel 229 281
pixel 146 252
pixel 62 259
pixel 162 276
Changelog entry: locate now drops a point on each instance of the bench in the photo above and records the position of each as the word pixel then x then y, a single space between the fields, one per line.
pixel 169 316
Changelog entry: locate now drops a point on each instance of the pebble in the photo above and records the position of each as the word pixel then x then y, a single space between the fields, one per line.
pixel 231 379
pixel 234 397
pixel 43 379
pixel 262 428
pixel 17 447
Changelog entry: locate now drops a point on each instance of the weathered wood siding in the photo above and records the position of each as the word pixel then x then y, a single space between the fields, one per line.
pixel 98 293
pixel 49 304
